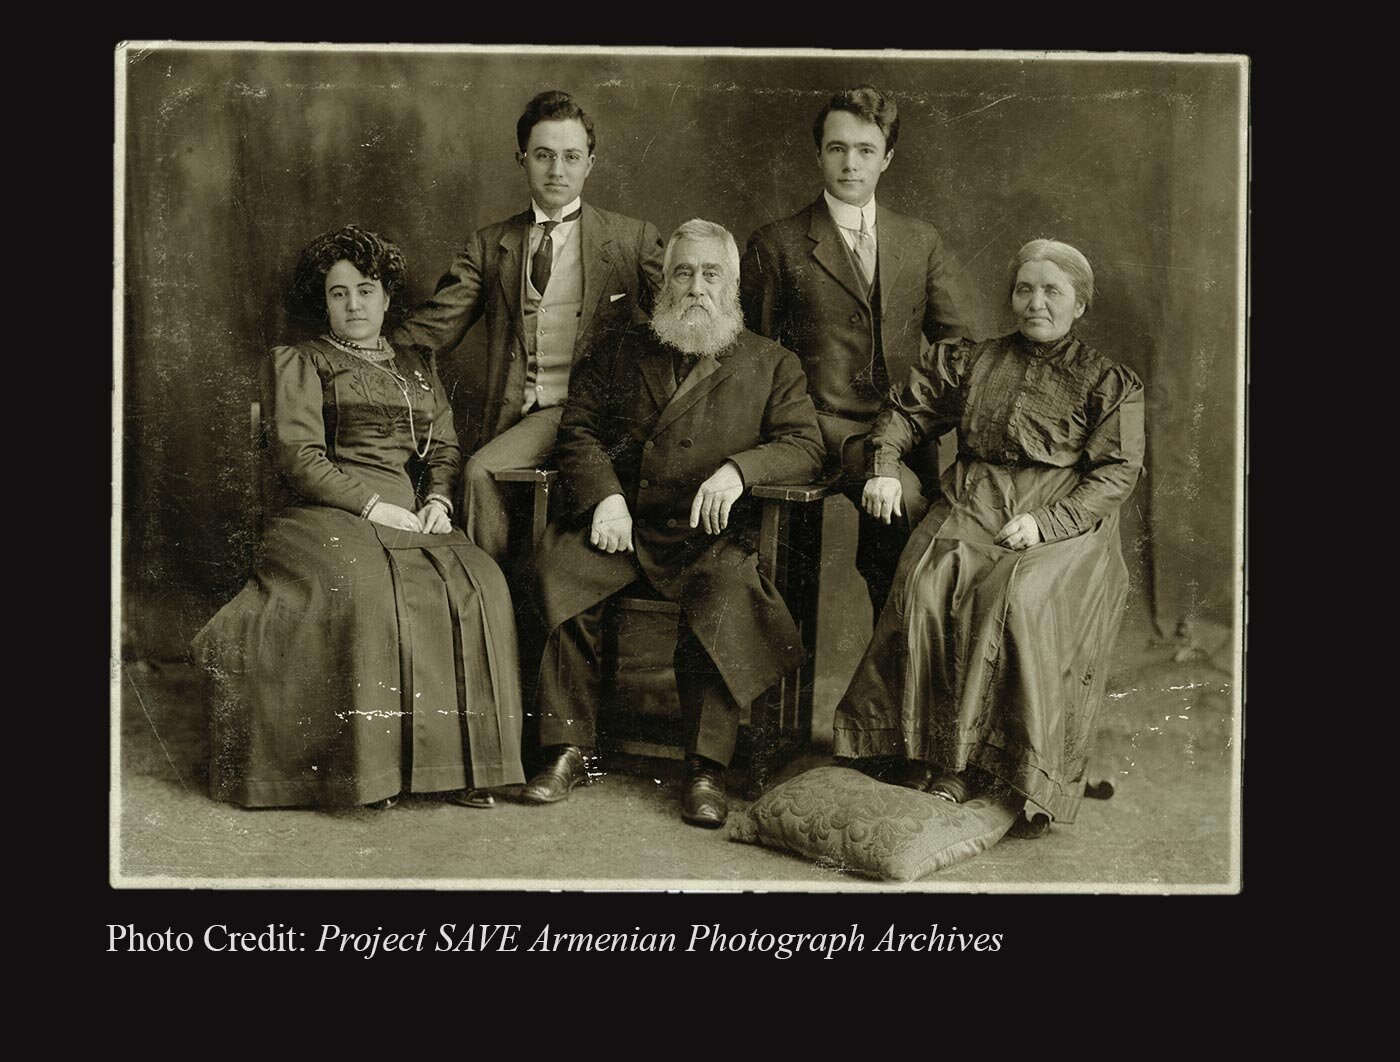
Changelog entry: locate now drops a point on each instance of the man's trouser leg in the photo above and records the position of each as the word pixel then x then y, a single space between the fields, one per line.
pixel 527 444
pixel 880 544
pixel 571 681
pixel 710 712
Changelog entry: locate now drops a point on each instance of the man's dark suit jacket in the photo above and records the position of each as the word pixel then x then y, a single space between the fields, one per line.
pixel 627 429
pixel 621 275
pixel 799 286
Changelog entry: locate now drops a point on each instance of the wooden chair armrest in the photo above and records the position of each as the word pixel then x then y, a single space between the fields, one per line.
pixel 808 492
pixel 526 475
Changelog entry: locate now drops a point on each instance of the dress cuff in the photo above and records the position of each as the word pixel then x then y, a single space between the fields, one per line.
pixel 373 501
pixel 441 500
pixel 1051 530
pixel 886 463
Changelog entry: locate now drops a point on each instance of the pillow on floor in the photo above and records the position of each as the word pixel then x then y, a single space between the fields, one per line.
pixel 847 820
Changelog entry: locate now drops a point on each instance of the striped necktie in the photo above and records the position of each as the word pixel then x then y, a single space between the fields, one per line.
pixel 865 251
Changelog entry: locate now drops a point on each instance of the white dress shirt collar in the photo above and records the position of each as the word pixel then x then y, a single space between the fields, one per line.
pixel 847 216
pixel 541 216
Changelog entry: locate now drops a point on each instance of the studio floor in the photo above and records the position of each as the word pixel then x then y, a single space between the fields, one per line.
pixel 1165 738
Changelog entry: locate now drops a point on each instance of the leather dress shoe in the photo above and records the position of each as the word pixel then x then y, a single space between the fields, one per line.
pixel 704 803
pixel 555 782
pixel 383 805
pixel 472 798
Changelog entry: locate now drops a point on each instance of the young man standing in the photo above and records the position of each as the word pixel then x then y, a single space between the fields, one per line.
pixel 854 289
pixel 548 280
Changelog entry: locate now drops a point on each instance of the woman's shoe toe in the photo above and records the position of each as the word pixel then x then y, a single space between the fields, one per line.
pixel 472 798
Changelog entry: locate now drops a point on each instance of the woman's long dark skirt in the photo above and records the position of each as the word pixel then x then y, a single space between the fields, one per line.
pixel 359 662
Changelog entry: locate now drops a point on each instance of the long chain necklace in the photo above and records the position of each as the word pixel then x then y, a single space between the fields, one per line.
pixel 378 357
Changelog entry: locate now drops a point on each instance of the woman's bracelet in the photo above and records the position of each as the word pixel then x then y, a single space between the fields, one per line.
pixel 369 506
pixel 441 500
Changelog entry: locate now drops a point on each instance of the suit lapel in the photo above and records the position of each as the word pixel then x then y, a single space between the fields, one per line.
pixel 597 263
pixel 511 274
pixel 830 251
pixel 656 371
pixel 889 238
pixel 708 373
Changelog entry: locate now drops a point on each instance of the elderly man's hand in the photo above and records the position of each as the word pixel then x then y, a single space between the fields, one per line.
pixel 434 519
pixel 1020 532
pixel 883 497
pixel 716 497
pixel 612 525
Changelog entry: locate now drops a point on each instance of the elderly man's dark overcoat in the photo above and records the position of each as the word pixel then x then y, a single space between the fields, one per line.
pixel 627 429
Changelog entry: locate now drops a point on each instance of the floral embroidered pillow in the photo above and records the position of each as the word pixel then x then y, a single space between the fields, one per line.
pixel 842 818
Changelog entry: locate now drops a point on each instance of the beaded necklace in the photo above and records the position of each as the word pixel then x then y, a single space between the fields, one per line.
pixel 379 356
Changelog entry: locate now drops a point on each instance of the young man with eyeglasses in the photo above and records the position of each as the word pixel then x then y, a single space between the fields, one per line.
pixel 549 281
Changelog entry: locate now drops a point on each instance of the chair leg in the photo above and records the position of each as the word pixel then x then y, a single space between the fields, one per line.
pixel 806 591
pixel 539 514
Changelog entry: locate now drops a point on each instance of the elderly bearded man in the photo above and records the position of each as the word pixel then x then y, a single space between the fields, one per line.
pixel 666 427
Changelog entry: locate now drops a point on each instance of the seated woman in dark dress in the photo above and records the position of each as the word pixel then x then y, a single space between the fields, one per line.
pixel 988 662
pixel 373 649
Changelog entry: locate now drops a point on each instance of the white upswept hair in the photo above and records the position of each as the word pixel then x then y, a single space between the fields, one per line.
pixel 699 229
pixel 1070 259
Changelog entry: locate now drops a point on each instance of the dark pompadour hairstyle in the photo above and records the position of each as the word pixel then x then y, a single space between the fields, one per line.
pixel 865 102
pixel 552 106
pixel 370 253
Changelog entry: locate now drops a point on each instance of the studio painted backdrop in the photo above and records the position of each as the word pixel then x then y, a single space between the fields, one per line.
pixel 235 159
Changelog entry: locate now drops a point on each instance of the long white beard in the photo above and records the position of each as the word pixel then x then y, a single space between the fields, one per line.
pixel 707 330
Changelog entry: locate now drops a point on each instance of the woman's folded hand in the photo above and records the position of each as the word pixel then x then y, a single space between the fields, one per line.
pixel 434 519
pixel 883 497
pixel 395 516
pixel 1020 532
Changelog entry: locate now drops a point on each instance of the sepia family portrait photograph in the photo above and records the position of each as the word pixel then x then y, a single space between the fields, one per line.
pixel 662 468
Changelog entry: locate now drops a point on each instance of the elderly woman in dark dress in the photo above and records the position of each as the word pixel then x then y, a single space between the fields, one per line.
pixel 373 650
pixel 988 662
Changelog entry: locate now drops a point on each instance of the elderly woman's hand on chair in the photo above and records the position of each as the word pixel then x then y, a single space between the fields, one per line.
pixel 883 497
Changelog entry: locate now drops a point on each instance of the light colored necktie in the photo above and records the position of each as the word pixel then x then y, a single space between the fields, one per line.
pixel 865 251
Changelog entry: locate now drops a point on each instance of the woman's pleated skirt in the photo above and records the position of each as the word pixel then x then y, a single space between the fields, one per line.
pixel 360 662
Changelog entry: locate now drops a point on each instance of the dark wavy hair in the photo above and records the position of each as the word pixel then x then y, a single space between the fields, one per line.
pixel 868 104
pixel 552 106
pixel 373 255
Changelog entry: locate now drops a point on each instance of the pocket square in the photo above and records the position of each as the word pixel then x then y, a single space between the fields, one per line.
pixel 619 295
